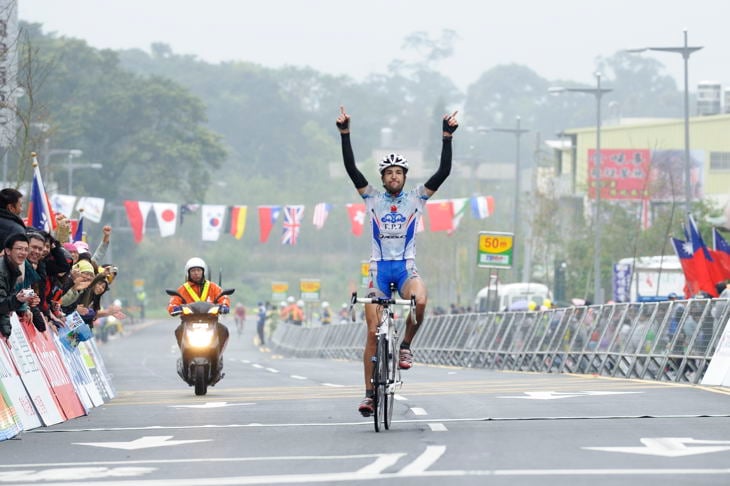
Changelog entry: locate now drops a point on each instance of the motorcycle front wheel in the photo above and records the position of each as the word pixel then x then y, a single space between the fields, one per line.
pixel 201 387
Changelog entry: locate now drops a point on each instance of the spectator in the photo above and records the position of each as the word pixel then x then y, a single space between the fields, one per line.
pixel 260 322
pixel 11 206
pixel 12 297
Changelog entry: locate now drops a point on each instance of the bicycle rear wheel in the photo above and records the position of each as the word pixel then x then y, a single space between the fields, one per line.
pixel 380 384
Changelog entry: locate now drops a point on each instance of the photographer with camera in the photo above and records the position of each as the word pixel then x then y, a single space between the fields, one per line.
pixel 13 298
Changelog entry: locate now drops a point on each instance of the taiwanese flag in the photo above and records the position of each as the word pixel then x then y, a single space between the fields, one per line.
pixel 696 276
pixel 440 215
pixel 714 271
pixel 356 212
pixel 267 217
pixel 238 221
pixel 722 251
pixel 78 232
pixel 40 214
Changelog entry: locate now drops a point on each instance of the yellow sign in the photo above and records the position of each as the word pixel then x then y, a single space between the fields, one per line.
pixel 279 287
pixel 309 285
pixel 365 269
pixel 495 249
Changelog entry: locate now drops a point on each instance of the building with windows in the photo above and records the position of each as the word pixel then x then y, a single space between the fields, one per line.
pixel 643 161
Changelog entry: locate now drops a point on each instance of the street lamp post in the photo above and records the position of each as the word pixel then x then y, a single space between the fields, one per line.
pixel 685 51
pixel 598 92
pixel 517 131
pixel 69 153
pixel 71 166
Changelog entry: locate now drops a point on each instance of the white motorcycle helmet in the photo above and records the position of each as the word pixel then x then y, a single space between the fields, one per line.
pixel 193 263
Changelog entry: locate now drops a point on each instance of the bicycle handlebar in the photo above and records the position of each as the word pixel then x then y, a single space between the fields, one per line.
pixel 383 301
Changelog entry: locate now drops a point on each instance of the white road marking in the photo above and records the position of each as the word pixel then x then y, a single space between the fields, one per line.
pixel 670 447
pixel 297 377
pixel 424 461
pixel 400 398
pixel 418 411
pixel 383 462
pixel 272 370
pixel 143 443
pixel 245 361
pixel 335 385
pixel 553 395
pixel 212 405
pixel 256 365
pixel 438 427
pixel 73 473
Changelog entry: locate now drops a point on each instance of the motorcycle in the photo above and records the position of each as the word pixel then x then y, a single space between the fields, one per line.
pixel 201 363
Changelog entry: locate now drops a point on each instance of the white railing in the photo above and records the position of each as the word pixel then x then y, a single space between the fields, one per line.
pixel 666 341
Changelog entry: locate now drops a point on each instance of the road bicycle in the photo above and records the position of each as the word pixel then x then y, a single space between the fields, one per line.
pixel 386 374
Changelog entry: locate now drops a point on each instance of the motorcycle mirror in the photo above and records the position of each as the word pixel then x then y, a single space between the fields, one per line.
pixel 173 293
pixel 228 291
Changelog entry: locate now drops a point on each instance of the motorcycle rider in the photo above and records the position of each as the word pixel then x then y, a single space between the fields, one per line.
pixel 195 289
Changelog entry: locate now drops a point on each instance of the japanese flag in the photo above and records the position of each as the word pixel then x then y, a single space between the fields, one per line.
pixel 166 217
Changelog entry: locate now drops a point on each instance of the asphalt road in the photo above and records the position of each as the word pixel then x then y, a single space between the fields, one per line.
pixel 279 420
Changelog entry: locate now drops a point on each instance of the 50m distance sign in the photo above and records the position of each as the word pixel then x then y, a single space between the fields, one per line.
pixel 494 249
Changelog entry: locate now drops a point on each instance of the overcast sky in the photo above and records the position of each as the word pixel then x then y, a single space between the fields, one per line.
pixel 559 39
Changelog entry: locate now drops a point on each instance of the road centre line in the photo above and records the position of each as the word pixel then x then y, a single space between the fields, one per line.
pixel 438 427
pixel 418 411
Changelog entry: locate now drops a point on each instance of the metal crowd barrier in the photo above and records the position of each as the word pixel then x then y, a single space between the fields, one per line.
pixel 665 341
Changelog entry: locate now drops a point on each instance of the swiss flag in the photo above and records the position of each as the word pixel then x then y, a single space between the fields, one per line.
pixel 356 212
pixel 440 215
pixel 166 217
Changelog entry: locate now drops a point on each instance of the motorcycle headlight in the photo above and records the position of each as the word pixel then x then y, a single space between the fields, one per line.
pixel 214 310
pixel 200 335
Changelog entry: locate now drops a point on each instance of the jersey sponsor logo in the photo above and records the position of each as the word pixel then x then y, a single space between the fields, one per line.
pixel 393 218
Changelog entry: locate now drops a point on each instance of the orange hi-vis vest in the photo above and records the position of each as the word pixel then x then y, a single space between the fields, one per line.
pixel 197 298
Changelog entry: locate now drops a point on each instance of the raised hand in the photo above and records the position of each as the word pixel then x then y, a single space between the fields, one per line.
pixel 450 123
pixel 343 121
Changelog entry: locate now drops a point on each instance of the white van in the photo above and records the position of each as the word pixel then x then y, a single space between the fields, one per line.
pixel 509 294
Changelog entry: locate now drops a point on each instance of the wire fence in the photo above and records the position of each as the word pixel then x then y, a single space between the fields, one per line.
pixel 665 341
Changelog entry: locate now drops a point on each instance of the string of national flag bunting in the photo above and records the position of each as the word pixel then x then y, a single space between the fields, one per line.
pixel 217 219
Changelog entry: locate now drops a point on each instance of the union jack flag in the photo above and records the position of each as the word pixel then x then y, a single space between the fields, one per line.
pixel 292 224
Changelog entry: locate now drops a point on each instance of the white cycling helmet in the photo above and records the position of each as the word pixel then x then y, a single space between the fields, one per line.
pixel 393 159
pixel 195 262
pixel 325 304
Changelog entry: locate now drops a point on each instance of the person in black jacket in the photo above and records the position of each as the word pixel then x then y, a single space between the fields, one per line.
pixel 11 205
pixel 12 296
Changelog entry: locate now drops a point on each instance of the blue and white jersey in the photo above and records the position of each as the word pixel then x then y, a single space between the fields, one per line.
pixel 394 220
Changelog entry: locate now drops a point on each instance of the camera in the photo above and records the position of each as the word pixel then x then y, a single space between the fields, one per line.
pixel 28 292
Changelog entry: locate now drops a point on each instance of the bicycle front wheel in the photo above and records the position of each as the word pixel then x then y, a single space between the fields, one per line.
pixel 390 372
pixel 380 384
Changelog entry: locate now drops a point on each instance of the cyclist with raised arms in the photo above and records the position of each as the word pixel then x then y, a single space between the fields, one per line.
pixel 393 216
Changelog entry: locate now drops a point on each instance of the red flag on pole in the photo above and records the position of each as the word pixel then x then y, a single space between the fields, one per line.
pixel 356 212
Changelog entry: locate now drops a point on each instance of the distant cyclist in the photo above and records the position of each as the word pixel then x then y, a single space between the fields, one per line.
pixel 394 216
pixel 239 315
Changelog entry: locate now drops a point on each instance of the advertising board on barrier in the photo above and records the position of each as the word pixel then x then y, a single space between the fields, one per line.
pixel 19 399
pixel 718 371
pixel 92 360
pixel 30 371
pixel 9 420
pixel 80 376
pixel 54 370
